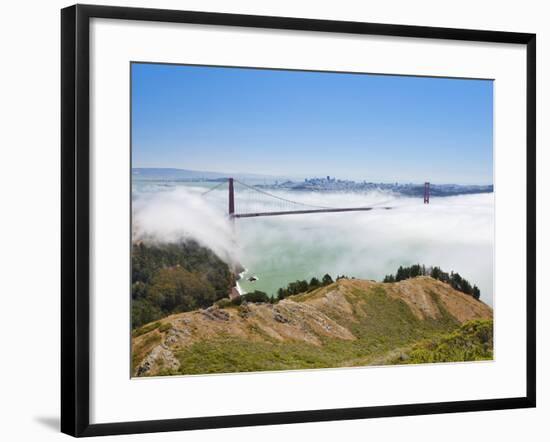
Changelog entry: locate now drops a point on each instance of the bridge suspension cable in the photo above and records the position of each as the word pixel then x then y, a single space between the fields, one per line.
pixel 223 183
pixel 285 206
pixel 280 198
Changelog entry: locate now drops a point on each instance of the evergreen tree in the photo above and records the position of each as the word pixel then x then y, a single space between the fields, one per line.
pixel 314 283
pixel 453 279
pixel 327 279
pixel 302 286
pixel 256 296
pixel 436 273
pixel 389 278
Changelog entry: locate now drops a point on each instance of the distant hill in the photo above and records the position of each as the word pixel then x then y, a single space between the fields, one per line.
pixel 168 174
pixel 174 174
pixel 348 323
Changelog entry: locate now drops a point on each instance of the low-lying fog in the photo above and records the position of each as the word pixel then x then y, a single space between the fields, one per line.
pixel 455 233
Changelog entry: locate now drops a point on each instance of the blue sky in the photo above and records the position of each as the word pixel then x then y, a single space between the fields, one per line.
pixel 305 124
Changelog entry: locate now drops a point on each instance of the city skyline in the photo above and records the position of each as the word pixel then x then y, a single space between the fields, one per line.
pixel 300 124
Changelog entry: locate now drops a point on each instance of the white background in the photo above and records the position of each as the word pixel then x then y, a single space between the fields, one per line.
pixel 30 233
pixel 116 398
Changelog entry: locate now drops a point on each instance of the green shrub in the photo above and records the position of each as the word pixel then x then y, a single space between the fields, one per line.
pixel 165 327
pixel 256 296
pixel 473 341
pixel 224 303
pixel 145 329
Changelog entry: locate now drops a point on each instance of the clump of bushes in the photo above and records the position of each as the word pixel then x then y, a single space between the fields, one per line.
pixel 302 286
pixel 256 297
pixel 165 327
pixel 224 303
pixel 453 279
pixel 145 329
pixel 473 341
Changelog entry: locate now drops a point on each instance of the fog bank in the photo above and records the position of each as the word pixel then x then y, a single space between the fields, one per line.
pixel 455 233
pixel 182 213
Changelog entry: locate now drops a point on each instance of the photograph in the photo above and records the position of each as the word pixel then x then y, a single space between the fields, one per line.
pixel 296 220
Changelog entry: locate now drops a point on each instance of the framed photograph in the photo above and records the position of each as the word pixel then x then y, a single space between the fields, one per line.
pixel 273 220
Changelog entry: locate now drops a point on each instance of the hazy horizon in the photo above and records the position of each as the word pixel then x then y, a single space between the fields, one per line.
pixel 303 177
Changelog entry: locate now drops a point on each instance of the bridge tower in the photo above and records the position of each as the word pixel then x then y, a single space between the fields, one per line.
pixel 426 193
pixel 233 291
pixel 231 199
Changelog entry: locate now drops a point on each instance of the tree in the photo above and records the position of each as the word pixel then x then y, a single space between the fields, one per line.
pixel 292 288
pixel 400 275
pixel 415 270
pixel 327 279
pixel 175 290
pixel 302 286
pixel 436 273
pixel 453 279
pixel 139 290
pixel 314 283
pixel 256 296
pixel 143 311
pixel 475 292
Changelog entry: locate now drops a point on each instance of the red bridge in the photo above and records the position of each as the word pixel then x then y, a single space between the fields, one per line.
pixel 286 206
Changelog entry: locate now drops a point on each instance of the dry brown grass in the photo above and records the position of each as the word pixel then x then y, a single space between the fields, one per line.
pixel 335 313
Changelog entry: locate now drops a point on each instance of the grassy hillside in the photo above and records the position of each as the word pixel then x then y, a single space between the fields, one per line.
pixel 348 323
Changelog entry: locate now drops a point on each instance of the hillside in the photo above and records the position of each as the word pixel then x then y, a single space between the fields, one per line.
pixel 175 277
pixel 348 323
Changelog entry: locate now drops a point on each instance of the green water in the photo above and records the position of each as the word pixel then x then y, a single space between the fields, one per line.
pixel 279 250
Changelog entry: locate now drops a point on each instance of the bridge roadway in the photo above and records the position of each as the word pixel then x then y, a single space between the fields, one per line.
pixel 301 212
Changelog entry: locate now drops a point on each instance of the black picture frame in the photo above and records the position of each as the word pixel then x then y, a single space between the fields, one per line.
pixel 75 224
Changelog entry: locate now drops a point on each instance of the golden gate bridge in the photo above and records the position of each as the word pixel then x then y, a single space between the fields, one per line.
pixel 254 204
